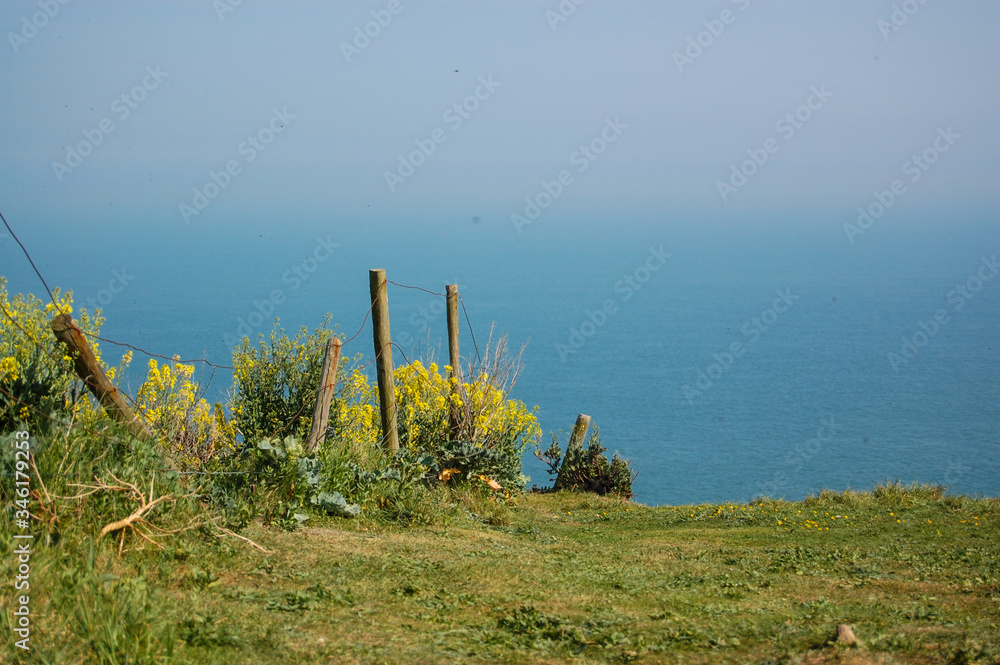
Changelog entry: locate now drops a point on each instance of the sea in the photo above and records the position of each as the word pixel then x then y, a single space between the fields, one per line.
pixel 726 361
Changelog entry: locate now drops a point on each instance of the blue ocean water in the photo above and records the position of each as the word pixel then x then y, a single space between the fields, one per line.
pixel 743 363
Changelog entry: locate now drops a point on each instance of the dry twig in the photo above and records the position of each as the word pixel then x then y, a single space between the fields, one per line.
pixel 227 532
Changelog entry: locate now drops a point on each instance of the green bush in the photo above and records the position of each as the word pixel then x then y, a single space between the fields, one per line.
pixel 473 462
pixel 588 469
pixel 268 475
pixel 276 481
pixel 276 382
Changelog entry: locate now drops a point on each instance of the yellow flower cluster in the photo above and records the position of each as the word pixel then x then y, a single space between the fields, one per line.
pixel 30 352
pixel 158 400
pixel 421 402
pixel 355 413
pixel 168 401
pixel 489 413
pixel 8 369
pixel 424 397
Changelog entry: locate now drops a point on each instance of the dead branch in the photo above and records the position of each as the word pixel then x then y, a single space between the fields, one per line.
pixel 227 532
pixel 144 508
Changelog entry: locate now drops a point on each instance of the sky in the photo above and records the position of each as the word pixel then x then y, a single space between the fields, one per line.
pixel 318 121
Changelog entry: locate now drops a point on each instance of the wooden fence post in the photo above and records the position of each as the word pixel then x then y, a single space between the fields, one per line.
pixel 383 358
pixel 92 374
pixel 575 443
pixel 451 291
pixel 327 382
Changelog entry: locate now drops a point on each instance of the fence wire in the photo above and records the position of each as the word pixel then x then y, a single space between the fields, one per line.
pixel 104 435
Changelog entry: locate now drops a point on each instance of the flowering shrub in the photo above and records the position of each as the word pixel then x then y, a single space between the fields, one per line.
pixel 168 401
pixel 36 375
pixel 275 394
pixel 276 382
pixel 493 430
pixel 39 377
pixel 354 416
pixel 422 400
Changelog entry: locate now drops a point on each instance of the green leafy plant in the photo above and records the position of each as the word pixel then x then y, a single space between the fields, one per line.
pixel 276 381
pixel 467 461
pixel 588 469
pixel 300 601
pixel 206 630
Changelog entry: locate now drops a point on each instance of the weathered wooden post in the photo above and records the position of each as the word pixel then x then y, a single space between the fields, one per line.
pixel 575 444
pixel 93 376
pixel 383 358
pixel 327 382
pixel 451 291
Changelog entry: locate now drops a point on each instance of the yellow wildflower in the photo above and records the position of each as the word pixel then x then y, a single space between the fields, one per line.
pixel 9 369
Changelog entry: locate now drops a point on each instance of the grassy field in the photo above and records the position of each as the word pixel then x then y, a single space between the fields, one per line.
pixel 561 578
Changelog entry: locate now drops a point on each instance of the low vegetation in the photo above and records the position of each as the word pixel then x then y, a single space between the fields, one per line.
pixel 247 549
pixel 559 577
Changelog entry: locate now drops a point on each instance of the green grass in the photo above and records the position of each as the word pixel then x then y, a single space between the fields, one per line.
pixel 561 578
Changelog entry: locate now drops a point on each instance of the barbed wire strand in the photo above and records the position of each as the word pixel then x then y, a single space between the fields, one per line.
pixel 471 331
pixel 203 360
pixel 156 355
pixel 418 288
pixel 363 324
pixel 30 260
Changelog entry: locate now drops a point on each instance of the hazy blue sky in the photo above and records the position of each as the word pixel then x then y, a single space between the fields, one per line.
pixel 684 127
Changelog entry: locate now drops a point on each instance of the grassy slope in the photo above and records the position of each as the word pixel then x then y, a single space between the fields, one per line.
pixel 581 579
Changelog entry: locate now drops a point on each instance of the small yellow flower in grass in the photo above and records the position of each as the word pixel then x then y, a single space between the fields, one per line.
pixel 24 413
